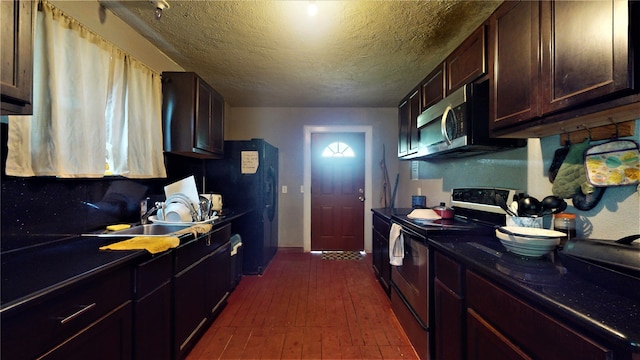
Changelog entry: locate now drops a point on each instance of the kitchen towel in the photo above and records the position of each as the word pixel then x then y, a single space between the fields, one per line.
pixel 196 229
pixel 153 244
pixel 396 245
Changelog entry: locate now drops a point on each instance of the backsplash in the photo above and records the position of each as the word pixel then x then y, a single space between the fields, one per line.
pixel 57 207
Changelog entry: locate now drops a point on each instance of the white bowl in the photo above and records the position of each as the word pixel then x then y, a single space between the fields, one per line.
pixel 531 242
pixel 528 235
pixel 527 250
pixel 177 212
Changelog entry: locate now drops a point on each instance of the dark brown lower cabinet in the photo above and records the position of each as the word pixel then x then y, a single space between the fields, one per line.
pixel 200 286
pixel 486 343
pixel 152 308
pixel 476 319
pixel 380 251
pixel 106 339
pixel 449 318
pixel 449 309
pixel 218 273
pixel 87 320
pixel 518 325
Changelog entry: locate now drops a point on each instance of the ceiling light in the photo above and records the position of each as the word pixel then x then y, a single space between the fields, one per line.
pixel 312 9
pixel 160 5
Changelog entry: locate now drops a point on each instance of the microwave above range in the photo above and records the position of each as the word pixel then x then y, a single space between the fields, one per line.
pixel 458 126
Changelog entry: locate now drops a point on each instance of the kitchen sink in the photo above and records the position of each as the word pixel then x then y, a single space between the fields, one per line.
pixel 145 230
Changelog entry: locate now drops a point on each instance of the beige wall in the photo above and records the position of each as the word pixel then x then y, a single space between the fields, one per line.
pixel 284 128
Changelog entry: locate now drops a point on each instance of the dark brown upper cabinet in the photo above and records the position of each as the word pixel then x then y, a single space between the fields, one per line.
pixel 433 87
pixel 192 115
pixel 558 65
pixel 16 54
pixel 586 47
pixel 408 111
pixel 468 61
pixel 513 44
pixel 464 65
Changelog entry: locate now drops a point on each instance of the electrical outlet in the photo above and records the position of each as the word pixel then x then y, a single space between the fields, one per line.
pixel 284 189
pixel 302 189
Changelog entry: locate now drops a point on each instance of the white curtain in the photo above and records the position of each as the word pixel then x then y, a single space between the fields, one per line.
pixel 93 107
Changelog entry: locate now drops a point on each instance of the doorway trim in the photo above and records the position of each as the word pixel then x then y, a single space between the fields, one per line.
pixel 368 132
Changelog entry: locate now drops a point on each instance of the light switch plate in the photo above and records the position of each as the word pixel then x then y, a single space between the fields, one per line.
pixel 284 189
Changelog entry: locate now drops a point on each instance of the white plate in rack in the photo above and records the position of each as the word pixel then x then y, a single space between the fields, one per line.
pixel 154 219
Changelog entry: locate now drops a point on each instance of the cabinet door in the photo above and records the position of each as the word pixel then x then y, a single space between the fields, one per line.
pixel 152 308
pixel 414 111
pixel 486 343
pixel 448 323
pixel 403 128
pixel 209 135
pixel 409 137
pixel 152 325
pixel 190 307
pixel 108 338
pixel 204 117
pixel 16 56
pixel 217 124
pixel 585 51
pixel 467 62
pixel 513 63
pixel 381 259
pixel 433 87
pixel 376 256
pixel 218 278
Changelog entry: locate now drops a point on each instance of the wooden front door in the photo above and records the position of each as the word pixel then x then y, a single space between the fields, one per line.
pixel 337 191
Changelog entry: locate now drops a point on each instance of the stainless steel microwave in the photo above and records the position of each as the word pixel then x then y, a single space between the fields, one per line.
pixel 458 125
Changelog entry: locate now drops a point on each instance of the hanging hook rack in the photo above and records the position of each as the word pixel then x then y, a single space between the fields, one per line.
pixel 596 133
pixel 617 127
pixel 589 131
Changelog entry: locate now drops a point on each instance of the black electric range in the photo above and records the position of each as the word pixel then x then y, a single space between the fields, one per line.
pixel 476 213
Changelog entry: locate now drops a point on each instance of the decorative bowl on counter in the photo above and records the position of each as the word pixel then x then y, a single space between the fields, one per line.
pixel 530 242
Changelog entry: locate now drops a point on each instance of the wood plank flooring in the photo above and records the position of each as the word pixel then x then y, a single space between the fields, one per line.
pixel 304 307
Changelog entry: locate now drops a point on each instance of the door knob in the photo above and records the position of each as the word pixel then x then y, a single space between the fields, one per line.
pixel 361 198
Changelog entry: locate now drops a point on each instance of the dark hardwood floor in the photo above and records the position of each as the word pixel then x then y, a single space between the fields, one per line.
pixel 304 307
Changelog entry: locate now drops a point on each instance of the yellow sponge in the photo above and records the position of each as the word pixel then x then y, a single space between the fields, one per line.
pixel 118 227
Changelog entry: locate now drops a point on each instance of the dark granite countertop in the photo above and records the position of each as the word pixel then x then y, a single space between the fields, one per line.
pixel 39 270
pixel 597 308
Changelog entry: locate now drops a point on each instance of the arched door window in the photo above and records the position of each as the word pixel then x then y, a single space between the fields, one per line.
pixel 338 149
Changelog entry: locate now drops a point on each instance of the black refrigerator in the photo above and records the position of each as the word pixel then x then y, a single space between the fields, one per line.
pixel 247 178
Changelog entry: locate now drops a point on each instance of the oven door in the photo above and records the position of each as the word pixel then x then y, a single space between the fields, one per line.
pixel 412 278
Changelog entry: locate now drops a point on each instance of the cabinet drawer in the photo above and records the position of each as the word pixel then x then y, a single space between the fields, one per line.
pixel 449 272
pixel 193 251
pixel 33 329
pixel 382 226
pixel 151 274
pixel 536 333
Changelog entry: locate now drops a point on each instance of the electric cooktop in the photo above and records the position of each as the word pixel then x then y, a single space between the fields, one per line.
pixel 476 212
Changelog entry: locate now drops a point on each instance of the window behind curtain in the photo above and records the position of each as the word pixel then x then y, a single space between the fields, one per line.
pixel 93 105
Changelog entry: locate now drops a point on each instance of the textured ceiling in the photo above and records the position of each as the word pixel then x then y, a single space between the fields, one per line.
pixel 271 53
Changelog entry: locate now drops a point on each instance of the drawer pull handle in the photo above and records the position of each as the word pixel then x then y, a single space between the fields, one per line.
pixel 83 309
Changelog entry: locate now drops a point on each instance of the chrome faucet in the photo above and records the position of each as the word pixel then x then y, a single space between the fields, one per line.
pixel 144 218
